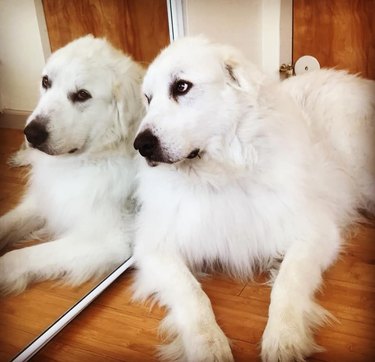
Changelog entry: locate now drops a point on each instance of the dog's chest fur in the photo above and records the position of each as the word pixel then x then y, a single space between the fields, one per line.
pixel 70 191
pixel 243 225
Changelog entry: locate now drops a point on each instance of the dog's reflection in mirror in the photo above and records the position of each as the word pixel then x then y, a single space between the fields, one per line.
pixel 82 178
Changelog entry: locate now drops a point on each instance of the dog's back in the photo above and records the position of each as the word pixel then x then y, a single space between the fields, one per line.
pixel 340 111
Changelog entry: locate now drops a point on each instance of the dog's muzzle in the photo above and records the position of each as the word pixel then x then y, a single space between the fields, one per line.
pixel 36 132
pixel 148 146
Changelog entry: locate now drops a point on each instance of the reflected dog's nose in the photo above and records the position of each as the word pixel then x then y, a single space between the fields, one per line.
pixel 147 144
pixel 36 132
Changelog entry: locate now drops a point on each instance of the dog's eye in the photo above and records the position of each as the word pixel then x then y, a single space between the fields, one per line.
pixel 180 88
pixel 82 95
pixel 46 83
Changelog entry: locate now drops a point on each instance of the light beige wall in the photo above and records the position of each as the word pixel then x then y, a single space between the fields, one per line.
pixel 21 55
pixel 236 22
pixel 254 26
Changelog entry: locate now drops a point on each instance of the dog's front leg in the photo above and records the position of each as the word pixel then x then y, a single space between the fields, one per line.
pixel 293 313
pixel 19 222
pixel 190 321
pixel 75 259
pixel 21 157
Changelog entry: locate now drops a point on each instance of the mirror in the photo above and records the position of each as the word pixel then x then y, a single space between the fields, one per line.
pixel 28 320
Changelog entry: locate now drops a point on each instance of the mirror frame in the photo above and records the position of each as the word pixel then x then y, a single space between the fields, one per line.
pixel 40 341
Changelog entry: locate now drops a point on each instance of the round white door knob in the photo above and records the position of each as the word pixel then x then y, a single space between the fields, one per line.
pixel 305 64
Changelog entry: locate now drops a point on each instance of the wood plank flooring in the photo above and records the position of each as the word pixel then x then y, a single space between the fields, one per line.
pixel 113 328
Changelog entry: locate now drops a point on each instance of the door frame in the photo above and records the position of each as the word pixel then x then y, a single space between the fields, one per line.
pixel 176 19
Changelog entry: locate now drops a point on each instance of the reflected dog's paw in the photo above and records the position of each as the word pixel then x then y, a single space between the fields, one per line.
pixel 13 273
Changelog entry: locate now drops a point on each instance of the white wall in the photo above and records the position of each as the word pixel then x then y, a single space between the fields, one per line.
pixel 21 55
pixel 260 28
pixel 236 22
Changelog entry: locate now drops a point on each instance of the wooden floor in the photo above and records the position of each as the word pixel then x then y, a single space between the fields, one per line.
pixel 114 329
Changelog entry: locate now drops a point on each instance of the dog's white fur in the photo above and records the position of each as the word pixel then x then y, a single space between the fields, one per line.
pixel 82 199
pixel 281 171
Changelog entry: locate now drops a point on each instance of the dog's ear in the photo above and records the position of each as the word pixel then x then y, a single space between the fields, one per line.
pixel 239 72
pixel 129 106
pixel 235 75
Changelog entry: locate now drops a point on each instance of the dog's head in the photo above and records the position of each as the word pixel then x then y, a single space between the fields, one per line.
pixel 89 99
pixel 195 93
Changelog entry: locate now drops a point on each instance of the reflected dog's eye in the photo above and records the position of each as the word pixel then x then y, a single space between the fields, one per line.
pixel 80 96
pixel 180 87
pixel 46 83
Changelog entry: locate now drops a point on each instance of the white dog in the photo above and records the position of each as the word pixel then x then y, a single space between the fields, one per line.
pixel 247 171
pixel 83 167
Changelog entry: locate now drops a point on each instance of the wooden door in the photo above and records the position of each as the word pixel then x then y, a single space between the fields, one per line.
pixel 339 33
pixel 138 27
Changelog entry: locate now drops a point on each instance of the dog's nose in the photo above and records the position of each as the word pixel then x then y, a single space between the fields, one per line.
pixel 36 133
pixel 146 143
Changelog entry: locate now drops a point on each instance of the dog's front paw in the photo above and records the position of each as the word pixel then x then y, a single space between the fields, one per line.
pixel 286 346
pixel 205 344
pixel 289 335
pixel 13 277
pixel 209 344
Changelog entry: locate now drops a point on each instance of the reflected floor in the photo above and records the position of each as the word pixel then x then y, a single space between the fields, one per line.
pixel 23 317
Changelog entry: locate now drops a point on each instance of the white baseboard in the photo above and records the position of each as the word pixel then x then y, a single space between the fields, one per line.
pixel 13 119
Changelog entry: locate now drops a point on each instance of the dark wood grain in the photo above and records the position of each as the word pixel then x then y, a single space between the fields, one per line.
pixel 339 33
pixel 138 27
